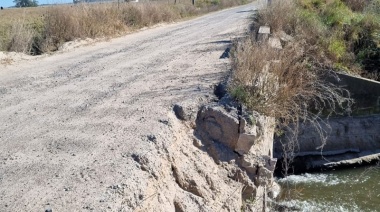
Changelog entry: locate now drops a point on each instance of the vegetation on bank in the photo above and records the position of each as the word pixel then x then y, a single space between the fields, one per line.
pixel 43 29
pixel 345 34
pixel 328 36
pixel 319 38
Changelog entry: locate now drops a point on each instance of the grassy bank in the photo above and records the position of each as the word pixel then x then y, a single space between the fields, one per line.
pixel 43 29
pixel 344 34
pixel 326 36
pixel 318 39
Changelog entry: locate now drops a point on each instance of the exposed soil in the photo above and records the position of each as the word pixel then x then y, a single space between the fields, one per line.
pixel 92 128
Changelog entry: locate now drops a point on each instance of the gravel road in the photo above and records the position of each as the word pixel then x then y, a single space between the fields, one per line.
pixel 72 123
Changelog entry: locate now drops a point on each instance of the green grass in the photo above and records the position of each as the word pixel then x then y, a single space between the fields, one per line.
pixel 346 32
pixel 337 48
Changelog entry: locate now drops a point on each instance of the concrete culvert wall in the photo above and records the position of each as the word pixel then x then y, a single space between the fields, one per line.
pixel 350 141
pixel 365 92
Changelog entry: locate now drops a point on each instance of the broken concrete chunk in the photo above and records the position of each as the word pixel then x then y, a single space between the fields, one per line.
pixel 245 142
pixel 247 128
pixel 275 43
pixel 250 163
pixel 285 37
pixel 197 142
pixel 236 138
pixel 263 34
pixel 270 163
pixel 265 176
pixel 264 30
pixel 214 123
pixel 220 153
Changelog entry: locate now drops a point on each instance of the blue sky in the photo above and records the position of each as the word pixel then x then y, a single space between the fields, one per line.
pixel 9 3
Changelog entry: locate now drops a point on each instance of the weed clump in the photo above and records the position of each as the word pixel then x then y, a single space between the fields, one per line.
pixel 285 84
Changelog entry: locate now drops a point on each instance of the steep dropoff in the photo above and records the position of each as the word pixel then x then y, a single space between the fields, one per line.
pixel 241 144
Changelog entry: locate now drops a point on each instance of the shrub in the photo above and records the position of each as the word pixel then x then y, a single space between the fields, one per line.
pixel 337 14
pixel 310 27
pixel 132 16
pixel 337 48
pixel 279 16
pixel 284 84
pixel 312 4
pixel 21 37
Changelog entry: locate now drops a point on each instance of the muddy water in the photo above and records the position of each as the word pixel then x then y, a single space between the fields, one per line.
pixel 348 190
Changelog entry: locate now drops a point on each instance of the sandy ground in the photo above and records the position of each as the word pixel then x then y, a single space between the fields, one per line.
pixel 73 123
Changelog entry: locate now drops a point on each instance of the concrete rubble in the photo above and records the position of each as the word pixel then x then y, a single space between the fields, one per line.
pixel 263 34
pixel 241 143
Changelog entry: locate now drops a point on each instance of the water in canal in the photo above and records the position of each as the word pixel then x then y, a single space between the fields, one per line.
pixel 351 190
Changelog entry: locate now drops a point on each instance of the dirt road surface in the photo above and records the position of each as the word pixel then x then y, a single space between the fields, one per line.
pixel 92 128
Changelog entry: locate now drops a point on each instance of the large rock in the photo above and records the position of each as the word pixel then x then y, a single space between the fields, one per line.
pixel 214 123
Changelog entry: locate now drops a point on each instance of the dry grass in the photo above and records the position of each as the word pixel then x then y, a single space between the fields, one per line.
pixel 39 30
pixel 284 84
pixel 21 38
pixel 278 16
pixel 289 84
pixel 9 15
pixel 15 23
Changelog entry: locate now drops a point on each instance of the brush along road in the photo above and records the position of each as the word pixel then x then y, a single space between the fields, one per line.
pixel 92 128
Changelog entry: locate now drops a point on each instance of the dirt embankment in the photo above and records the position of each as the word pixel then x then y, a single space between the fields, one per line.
pixel 93 128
